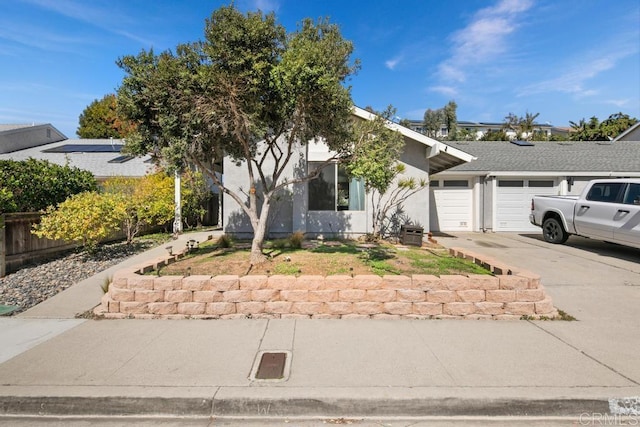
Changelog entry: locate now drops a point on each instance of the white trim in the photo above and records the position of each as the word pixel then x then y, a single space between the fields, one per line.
pixel 416 136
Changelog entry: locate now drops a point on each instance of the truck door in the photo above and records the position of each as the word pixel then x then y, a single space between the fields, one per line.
pixel 597 214
pixel 627 231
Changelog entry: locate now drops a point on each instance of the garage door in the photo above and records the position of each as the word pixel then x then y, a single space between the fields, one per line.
pixel 450 205
pixel 513 202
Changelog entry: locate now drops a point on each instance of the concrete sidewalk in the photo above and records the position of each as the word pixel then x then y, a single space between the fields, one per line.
pixel 336 368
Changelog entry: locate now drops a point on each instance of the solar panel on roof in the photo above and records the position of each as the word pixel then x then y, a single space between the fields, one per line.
pixel 522 143
pixel 85 148
pixel 121 159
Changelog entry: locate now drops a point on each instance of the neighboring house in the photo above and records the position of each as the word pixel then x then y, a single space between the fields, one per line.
pixel 631 134
pixel 478 130
pixel 101 157
pixel 332 204
pixel 494 192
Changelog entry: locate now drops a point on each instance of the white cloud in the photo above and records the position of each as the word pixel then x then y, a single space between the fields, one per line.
pixel 444 90
pixel 484 39
pixel 263 5
pixel 105 17
pixel 574 80
pixel 392 63
pixel 620 103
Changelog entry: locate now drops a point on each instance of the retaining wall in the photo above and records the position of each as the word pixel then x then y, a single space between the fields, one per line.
pixel 507 294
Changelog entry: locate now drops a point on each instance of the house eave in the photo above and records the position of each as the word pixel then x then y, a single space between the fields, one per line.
pixel 441 156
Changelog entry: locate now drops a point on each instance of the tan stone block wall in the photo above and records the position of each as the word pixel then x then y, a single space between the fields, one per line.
pixel 473 296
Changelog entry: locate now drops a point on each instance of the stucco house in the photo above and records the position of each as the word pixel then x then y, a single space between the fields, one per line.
pixel 493 193
pixel 333 204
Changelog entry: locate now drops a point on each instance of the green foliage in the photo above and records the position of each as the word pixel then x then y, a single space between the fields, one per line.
pixel 85 218
pixel 593 130
pixel 432 121
pixel 524 127
pixel 249 91
pixel 144 201
pixel 376 152
pixel 195 194
pixel 451 120
pixel 494 135
pixel 33 185
pixel 100 119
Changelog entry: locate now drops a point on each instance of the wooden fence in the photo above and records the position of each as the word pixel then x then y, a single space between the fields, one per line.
pixel 19 247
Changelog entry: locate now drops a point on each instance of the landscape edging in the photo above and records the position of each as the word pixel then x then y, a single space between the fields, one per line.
pixel 508 294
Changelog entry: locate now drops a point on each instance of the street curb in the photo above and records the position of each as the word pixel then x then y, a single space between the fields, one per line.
pixel 294 407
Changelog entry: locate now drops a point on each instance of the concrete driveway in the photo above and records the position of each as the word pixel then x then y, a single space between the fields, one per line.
pixel 596 282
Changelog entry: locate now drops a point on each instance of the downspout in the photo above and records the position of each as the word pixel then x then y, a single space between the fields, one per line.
pixel 482 204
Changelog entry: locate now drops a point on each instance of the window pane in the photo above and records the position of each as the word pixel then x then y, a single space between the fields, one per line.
pixel 510 183
pixel 456 183
pixel 434 183
pixel 322 189
pixel 540 183
pixel 356 194
pixel 633 195
pixel 605 192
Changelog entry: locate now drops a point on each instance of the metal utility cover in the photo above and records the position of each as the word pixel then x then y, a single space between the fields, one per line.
pixel 271 366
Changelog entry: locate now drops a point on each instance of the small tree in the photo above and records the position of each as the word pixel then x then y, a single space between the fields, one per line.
pixel 375 159
pixel 195 194
pixel 85 218
pixel 145 201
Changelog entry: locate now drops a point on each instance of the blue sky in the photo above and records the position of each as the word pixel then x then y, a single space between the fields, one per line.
pixel 564 59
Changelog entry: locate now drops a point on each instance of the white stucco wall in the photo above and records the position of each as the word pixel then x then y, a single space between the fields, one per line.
pixel 290 212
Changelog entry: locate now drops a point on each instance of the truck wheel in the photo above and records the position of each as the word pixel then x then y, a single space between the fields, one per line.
pixel 553 232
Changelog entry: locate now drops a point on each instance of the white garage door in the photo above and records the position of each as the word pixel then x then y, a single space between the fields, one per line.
pixel 513 202
pixel 450 205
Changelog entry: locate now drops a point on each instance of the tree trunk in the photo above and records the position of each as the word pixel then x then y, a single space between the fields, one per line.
pixel 259 232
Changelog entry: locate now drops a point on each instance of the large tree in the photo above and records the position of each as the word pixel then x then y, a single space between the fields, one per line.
pixel 593 130
pixel 451 119
pixel 100 119
pixel 432 122
pixel 248 91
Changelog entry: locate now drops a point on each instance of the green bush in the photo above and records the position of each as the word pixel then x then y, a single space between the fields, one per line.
pixel 85 218
pixel 34 185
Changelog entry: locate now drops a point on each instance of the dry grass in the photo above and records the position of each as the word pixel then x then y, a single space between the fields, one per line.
pixel 333 257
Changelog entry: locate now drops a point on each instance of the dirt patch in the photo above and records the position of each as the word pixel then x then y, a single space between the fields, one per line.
pixel 327 258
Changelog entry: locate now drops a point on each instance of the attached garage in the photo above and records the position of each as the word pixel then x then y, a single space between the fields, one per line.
pixel 451 205
pixel 513 201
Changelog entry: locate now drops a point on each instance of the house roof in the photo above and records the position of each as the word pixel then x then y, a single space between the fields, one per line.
pixel 629 134
pixel 93 155
pixel 578 158
pixel 441 156
pixel 7 127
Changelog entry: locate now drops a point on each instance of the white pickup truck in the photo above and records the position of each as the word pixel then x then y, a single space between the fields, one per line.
pixel 607 209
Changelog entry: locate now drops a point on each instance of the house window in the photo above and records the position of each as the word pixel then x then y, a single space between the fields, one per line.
pixel 510 183
pixel 541 183
pixel 456 183
pixel 334 190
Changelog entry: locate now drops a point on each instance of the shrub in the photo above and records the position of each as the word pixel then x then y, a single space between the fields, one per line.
pixel 85 218
pixel 144 201
pixel 34 185
pixel 296 239
pixel 224 241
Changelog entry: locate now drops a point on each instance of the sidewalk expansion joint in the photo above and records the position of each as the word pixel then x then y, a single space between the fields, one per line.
pixel 615 371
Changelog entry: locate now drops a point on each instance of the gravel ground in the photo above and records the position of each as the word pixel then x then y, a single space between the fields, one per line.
pixel 33 284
